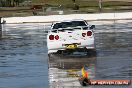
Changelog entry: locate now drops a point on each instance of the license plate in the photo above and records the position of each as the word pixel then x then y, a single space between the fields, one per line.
pixel 71 46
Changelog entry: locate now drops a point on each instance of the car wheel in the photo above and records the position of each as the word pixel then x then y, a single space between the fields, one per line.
pixel 91 52
pixel 59 52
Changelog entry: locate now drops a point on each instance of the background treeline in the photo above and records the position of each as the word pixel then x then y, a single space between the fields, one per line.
pixel 10 3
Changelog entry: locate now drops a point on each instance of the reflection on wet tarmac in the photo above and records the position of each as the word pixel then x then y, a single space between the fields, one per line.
pixel 24 61
pixel 113 60
pixel 23 57
pixel 64 70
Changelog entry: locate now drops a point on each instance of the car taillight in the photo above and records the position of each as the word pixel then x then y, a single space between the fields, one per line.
pixel 51 37
pixel 56 37
pixel 83 34
pixel 89 33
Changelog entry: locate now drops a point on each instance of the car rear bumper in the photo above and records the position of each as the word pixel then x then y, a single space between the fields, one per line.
pixel 61 45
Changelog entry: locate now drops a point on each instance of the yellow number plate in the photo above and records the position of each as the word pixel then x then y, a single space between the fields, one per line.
pixel 72 46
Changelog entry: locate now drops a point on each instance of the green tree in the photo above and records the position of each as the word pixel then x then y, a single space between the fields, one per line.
pixel 74 1
pixel 8 3
pixel 3 3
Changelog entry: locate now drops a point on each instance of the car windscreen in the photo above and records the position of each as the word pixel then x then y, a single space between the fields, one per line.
pixel 69 24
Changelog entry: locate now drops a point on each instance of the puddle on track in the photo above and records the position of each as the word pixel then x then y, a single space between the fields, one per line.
pixel 24 62
pixel 23 57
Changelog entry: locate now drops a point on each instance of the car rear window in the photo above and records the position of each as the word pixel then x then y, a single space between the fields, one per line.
pixel 69 24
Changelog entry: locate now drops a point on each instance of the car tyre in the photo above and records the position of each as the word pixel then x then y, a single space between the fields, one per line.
pixel 91 52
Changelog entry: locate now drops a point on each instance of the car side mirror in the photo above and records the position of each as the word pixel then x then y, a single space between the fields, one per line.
pixel 92 26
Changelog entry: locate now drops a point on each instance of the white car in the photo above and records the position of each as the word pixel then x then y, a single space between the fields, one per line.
pixel 69 36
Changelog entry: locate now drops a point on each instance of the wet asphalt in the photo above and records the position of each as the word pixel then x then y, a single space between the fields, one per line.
pixel 24 62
